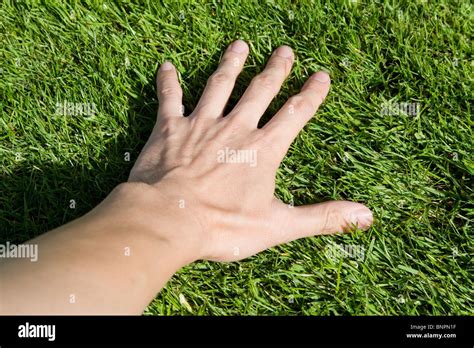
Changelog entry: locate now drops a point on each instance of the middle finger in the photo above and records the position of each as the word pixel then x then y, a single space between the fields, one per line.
pixel 264 87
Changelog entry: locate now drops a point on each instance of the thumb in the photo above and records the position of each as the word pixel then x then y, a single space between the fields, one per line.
pixel 322 218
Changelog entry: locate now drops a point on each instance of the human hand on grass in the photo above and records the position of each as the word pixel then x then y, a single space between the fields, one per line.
pixel 219 172
pixel 202 188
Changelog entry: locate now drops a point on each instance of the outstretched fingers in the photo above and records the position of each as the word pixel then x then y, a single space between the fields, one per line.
pixel 169 92
pixel 264 87
pixel 221 83
pixel 285 125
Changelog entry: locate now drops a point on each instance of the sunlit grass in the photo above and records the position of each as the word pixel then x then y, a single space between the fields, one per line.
pixel 414 171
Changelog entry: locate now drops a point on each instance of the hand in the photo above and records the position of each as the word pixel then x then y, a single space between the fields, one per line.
pixel 202 188
pixel 219 172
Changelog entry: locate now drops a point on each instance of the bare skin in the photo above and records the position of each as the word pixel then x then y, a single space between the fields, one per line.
pixel 186 199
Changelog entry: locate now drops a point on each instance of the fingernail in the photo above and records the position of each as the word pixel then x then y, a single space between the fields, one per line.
pixel 321 77
pixel 239 46
pixel 166 66
pixel 284 51
pixel 363 218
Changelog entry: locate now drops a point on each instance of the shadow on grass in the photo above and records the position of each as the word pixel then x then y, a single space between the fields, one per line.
pixel 38 197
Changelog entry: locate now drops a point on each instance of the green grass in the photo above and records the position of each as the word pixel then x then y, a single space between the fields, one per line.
pixel 415 172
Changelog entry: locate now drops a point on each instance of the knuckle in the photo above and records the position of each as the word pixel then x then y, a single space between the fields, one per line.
pixel 279 63
pixel 202 123
pixel 236 125
pixel 167 91
pixel 333 219
pixel 270 145
pixel 220 78
pixel 268 82
pixel 229 61
pixel 301 103
pixel 167 126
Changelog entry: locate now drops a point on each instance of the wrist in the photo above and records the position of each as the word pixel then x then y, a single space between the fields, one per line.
pixel 164 220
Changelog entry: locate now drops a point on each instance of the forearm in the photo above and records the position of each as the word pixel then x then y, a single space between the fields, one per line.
pixel 112 260
pixel 205 197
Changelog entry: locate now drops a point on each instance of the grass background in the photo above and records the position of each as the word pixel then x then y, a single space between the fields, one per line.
pixel 415 172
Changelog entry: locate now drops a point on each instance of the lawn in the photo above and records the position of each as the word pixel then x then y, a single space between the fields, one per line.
pixel 394 133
